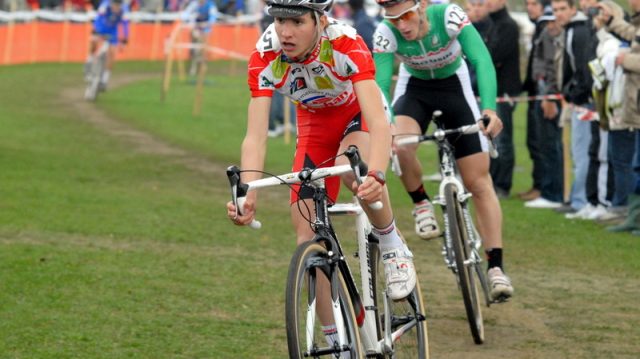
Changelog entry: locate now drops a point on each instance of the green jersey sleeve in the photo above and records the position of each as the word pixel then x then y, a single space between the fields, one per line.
pixel 476 52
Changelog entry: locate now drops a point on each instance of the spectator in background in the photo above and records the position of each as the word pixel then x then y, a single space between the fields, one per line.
pixel 576 89
pixel 629 60
pixel 173 5
pixel 50 4
pixel 505 51
pixel 363 23
pixel 151 5
pixel 478 12
pixel 535 10
pixel 609 80
pixel 545 114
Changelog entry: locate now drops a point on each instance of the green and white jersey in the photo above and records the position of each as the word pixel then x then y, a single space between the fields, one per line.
pixel 438 54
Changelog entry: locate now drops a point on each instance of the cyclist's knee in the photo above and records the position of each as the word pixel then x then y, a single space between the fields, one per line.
pixel 479 186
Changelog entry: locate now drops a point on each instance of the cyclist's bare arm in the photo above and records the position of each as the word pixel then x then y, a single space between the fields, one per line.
pixel 372 109
pixel 253 152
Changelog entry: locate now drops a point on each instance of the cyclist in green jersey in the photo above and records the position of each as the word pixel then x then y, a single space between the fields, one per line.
pixel 430 42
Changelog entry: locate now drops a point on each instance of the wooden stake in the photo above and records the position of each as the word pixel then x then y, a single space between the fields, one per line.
pixel 197 102
pixel 566 156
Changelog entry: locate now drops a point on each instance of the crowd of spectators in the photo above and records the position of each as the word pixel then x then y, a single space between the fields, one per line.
pixel 589 53
pixel 229 7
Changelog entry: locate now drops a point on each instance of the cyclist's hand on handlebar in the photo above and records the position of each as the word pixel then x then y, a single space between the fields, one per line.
pixel 369 191
pixel 248 212
pixel 495 124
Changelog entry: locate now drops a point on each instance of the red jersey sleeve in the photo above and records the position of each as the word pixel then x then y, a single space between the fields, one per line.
pixel 259 77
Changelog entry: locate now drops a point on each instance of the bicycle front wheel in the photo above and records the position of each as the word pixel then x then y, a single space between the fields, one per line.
pixel 314 303
pixel 457 228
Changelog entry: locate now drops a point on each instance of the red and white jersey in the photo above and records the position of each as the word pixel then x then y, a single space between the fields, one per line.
pixel 325 79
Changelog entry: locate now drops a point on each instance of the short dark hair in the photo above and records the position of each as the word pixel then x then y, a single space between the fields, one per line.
pixel 571 3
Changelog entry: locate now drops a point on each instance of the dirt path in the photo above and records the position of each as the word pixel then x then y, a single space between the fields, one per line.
pixel 72 97
pixel 548 318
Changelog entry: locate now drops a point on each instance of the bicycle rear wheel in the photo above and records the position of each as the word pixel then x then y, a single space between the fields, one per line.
pixel 408 318
pixel 305 296
pixel 457 228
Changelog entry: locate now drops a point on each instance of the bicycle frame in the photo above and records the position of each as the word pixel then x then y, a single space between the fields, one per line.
pixel 365 306
pixel 449 172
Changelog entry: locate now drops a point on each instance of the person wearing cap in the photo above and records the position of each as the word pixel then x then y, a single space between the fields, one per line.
pixel 430 42
pixel 544 136
pixel 110 16
pixel 324 66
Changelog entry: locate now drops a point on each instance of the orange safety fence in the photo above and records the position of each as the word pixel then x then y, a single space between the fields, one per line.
pixel 40 41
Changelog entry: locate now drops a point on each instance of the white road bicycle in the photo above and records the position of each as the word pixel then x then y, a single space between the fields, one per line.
pixel 461 241
pixel 368 325
pixel 96 69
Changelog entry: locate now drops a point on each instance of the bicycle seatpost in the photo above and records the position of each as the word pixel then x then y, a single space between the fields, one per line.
pixel 359 167
pixel 493 152
pixel 239 193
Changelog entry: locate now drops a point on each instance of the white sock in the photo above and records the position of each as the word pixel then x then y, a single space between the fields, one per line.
pixel 105 76
pixel 388 236
pixel 331 334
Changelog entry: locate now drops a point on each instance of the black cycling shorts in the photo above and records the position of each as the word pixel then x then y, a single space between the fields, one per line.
pixel 453 96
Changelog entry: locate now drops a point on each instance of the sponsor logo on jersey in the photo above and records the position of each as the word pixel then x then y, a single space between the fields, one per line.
pixel 323 83
pixel 318 70
pixel 266 82
pixel 297 84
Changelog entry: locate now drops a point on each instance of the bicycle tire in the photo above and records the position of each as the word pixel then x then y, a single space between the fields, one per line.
pixel 97 68
pixel 307 263
pixel 457 229
pixel 413 343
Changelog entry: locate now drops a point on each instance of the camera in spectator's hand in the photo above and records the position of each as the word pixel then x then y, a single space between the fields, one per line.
pixel 593 11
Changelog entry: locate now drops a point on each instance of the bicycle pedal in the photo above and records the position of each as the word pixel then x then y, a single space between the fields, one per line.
pixel 501 299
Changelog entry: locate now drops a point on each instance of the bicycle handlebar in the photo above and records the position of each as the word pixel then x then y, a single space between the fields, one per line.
pixel 239 189
pixel 439 134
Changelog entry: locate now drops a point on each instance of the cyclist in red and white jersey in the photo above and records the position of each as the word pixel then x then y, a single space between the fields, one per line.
pixel 327 70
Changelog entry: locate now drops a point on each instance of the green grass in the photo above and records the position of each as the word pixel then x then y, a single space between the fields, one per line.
pixel 109 251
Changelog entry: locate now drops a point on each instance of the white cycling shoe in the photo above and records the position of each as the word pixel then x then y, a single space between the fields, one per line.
pixel 400 274
pixel 500 285
pixel 425 217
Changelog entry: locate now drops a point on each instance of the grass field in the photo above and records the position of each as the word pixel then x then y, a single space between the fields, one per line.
pixel 114 241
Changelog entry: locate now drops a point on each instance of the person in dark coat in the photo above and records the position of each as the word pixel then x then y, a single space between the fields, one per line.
pixel 505 52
